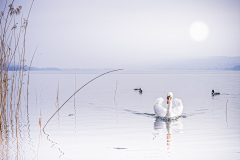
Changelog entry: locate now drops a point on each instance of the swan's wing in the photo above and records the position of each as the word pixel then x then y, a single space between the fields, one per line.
pixel 178 109
pixel 158 108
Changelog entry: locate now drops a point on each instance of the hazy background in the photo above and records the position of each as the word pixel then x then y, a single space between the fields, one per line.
pixel 128 33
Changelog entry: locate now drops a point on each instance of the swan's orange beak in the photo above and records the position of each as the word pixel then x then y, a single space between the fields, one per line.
pixel 168 99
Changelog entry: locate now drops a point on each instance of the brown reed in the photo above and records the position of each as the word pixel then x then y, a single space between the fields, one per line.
pixel 12 74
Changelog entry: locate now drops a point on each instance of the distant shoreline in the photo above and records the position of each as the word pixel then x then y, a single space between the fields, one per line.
pixel 235 68
pixel 107 69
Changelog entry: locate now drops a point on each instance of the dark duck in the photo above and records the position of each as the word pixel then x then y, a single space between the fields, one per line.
pixel 215 93
pixel 138 89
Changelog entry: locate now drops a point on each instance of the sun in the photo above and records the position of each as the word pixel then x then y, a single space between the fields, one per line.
pixel 199 31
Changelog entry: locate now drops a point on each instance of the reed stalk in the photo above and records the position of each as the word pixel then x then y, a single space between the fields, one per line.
pixel 76 93
pixel 13 29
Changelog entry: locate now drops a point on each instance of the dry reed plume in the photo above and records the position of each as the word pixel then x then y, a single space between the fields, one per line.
pixel 12 76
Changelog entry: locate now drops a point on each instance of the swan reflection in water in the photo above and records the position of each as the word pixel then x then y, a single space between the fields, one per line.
pixel 161 124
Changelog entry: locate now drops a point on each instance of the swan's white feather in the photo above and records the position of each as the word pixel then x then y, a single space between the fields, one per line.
pixel 178 109
pixel 161 111
pixel 158 108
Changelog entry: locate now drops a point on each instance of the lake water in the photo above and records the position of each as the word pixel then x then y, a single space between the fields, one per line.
pixel 108 120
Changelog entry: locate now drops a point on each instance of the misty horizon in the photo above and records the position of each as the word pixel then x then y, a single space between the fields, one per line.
pixel 210 63
pixel 111 34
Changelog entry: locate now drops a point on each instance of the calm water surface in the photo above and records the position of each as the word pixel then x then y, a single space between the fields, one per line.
pixel 109 120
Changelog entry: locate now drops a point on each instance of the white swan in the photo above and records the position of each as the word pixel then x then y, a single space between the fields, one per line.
pixel 171 111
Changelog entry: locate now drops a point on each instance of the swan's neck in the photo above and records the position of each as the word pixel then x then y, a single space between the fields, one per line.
pixel 169 109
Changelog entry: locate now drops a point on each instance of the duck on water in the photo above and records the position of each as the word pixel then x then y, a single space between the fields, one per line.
pixel 215 93
pixel 138 89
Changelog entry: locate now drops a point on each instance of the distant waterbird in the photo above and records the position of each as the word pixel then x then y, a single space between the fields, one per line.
pixel 215 93
pixel 138 89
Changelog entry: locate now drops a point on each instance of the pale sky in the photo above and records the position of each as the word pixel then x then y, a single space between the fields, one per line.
pixel 116 34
